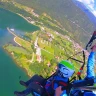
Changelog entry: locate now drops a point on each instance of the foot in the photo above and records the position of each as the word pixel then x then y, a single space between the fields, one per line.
pixel 92 42
pixel 23 83
pixel 18 93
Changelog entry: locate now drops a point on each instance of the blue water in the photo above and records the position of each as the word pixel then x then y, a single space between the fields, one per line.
pixel 10 73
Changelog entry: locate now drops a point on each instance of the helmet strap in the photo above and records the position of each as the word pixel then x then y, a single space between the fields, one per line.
pixel 60 74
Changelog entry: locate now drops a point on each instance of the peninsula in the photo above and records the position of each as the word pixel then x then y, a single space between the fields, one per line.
pixel 40 51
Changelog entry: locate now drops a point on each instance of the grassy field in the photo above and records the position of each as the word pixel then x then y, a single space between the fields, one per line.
pixel 23 43
pixel 16 49
pixel 52 52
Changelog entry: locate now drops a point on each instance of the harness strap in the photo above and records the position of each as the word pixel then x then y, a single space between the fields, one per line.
pixel 59 83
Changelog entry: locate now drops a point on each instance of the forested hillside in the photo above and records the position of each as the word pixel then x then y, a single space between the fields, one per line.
pixel 69 15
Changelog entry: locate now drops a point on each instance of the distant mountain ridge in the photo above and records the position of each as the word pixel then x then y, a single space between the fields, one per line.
pixel 67 13
pixel 86 11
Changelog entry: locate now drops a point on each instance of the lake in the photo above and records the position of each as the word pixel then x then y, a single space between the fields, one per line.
pixel 10 73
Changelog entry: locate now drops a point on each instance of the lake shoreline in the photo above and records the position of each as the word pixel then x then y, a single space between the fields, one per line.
pixel 9 65
pixel 10 54
pixel 14 36
pixel 25 70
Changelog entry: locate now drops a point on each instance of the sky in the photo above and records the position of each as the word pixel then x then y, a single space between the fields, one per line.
pixel 90 4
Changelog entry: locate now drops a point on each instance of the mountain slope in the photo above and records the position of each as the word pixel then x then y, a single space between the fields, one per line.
pixel 67 13
pixel 86 11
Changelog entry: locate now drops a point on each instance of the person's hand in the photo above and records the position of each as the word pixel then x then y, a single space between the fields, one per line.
pixel 94 48
pixel 58 91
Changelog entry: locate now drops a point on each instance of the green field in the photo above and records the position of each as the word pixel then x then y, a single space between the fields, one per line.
pixel 54 46
pixel 51 52
pixel 17 49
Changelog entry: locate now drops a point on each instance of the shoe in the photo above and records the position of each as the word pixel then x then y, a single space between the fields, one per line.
pixel 91 43
pixel 18 93
pixel 23 83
